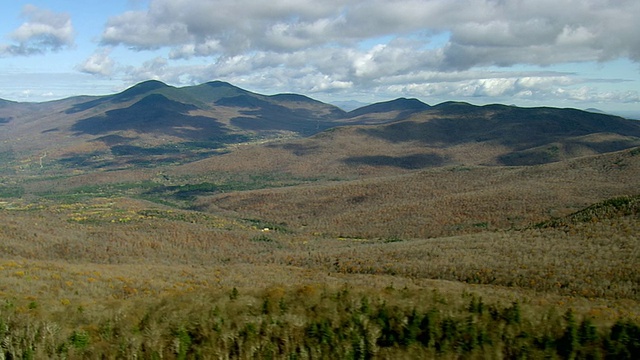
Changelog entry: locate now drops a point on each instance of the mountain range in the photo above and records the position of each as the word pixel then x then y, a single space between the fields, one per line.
pixel 152 124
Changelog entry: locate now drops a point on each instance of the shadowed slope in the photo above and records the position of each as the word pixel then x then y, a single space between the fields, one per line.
pixel 530 135
pixel 129 94
pixel 154 113
pixel 441 201
pixel 404 106
pixel 520 128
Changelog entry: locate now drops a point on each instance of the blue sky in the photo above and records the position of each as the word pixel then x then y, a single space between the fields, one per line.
pixel 566 53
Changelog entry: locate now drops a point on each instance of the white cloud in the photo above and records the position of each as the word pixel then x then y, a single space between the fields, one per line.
pixel 43 31
pixel 430 47
pixel 483 32
pixel 205 48
pixel 132 29
pixel 155 69
pixel 100 63
pixel 387 71
pixel 514 87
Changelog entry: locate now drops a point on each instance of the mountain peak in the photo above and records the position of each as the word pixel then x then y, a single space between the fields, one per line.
pixel 148 85
pixel 139 89
pixel 406 105
pixel 219 83
pixel 594 110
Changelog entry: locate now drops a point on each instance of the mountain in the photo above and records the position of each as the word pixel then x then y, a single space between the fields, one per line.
pixel 153 124
pixel 214 95
pixel 632 115
pixel 157 123
pixel 349 105
pixel 400 104
pixel 525 136
pixel 595 110
pixel 5 118
pixel 393 110
pixel 4 102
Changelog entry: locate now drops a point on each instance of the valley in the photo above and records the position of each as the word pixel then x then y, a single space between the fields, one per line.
pixel 212 222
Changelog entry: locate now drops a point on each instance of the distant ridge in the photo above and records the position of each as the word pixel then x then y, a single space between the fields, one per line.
pixel 219 83
pixel 153 123
pixel 594 110
pixel 406 106
pixel 349 105
pixel 4 102
pixel 139 89
pixel 293 97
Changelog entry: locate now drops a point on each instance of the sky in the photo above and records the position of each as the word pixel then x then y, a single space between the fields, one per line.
pixel 564 53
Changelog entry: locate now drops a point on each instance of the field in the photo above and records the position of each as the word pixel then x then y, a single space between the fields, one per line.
pixel 453 262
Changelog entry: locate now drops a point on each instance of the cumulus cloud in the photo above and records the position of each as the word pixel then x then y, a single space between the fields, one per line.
pixel 418 47
pixel 235 25
pixel 483 32
pixel 43 31
pixel 100 63
pixel 513 87
pixel 156 69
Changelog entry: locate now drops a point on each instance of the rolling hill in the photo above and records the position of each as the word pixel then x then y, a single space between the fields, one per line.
pixel 439 201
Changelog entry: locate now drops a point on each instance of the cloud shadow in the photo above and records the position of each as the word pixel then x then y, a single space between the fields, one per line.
pixel 409 162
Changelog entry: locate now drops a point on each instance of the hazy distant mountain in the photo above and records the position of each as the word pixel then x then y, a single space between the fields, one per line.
pixel 633 115
pixel 152 123
pixel 349 105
